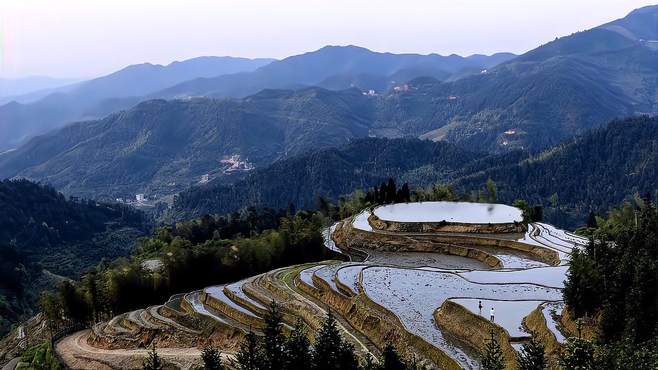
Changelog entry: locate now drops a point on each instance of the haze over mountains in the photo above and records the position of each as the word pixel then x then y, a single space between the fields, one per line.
pixel 332 67
pixel 98 97
pixel 321 100
pixel 12 89
pixel 336 67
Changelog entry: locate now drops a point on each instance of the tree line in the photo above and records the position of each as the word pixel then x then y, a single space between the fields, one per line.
pixel 613 284
pixel 210 250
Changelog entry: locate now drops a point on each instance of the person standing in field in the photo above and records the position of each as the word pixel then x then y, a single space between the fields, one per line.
pixel 491 314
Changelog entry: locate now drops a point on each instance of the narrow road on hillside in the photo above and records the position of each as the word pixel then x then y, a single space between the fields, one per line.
pixel 77 354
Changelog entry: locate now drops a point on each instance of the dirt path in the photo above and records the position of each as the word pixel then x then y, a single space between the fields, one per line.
pixel 77 354
pixel 11 365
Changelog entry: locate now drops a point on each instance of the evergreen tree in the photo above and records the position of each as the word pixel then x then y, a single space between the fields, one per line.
pixel 153 362
pixel 404 194
pixel 346 357
pixel 493 355
pixel 591 220
pixel 274 341
pixel 93 293
pixel 583 287
pixel 391 359
pixel 492 192
pixel 578 355
pixel 391 191
pixel 328 350
pixel 532 356
pixel 212 359
pixel 250 356
pixel 369 364
pixel 298 348
pixel 73 302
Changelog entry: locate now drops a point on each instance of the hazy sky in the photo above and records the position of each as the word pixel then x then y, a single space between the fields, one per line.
pixel 84 38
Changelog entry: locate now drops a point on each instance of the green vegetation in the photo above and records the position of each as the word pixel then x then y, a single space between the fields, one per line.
pixel 194 254
pixel 45 238
pixel 594 172
pixel 330 174
pixel 615 282
pixel 64 236
pixel 532 356
pixel 211 358
pixel 591 173
pixel 493 355
pixel 579 355
pixel 153 361
pixel 39 357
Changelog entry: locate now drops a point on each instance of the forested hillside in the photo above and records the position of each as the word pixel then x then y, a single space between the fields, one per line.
pixel 162 147
pixel 45 237
pixel 20 119
pixel 591 173
pixel 300 180
pixel 38 221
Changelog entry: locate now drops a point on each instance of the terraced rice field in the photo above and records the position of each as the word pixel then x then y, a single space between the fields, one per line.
pixel 395 290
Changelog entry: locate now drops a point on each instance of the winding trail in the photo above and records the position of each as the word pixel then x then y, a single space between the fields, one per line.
pixel 78 354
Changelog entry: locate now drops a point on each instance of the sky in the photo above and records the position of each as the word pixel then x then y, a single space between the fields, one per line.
pixel 88 38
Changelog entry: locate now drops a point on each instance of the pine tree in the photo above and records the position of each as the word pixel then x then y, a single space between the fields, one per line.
pixel 298 349
pixel 578 355
pixel 493 355
pixel 327 350
pixel 250 356
pixel 274 342
pixel 369 364
pixel 404 194
pixel 591 220
pixel 153 362
pixel 346 357
pixel 391 191
pixel 212 359
pixel 391 359
pixel 532 356
pixel 492 192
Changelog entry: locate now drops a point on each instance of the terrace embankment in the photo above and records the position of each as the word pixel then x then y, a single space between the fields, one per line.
pixel 473 330
pixel 536 324
pixel 444 227
pixel 588 327
pixel 232 310
pixel 352 239
pixel 376 323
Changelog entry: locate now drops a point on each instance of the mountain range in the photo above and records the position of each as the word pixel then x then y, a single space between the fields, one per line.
pixel 332 67
pixel 529 103
pixel 336 67
pixel 97 97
